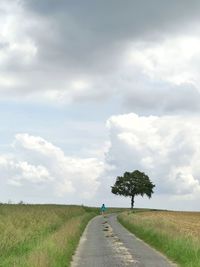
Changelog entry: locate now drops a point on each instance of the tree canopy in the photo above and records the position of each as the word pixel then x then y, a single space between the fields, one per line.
pixel 132 184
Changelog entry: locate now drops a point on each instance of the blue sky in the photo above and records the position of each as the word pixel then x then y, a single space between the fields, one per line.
pixel 91 89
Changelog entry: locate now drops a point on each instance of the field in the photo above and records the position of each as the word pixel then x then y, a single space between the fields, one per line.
pixel 40 235
pixel 176 234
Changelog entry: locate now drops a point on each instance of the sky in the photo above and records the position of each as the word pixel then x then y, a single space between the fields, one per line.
pixel 91 89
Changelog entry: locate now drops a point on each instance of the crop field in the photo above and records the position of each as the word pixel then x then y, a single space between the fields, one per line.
pixel 40 235
pixel 176 234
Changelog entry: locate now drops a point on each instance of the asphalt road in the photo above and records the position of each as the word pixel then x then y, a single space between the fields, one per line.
pixel 106 243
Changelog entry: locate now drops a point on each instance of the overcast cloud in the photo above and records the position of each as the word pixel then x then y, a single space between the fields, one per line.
pixel 89 89
pixel 94 50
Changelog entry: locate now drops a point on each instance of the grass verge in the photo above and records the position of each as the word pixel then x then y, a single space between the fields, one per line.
pixel 182 249
pixel 42 236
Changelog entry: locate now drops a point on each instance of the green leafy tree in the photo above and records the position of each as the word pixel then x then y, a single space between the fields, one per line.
pixel 132 184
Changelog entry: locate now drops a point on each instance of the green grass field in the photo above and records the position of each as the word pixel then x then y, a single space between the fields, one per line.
pixel 41 235
pixel 176 234
pixel 47 235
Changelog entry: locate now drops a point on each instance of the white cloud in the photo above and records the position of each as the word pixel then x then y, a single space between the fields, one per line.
pixel 16 44
pixel 37 161
pixel 167 148
pixel 33 173
pixel 38 144
pixel 174 59
pixel 16 172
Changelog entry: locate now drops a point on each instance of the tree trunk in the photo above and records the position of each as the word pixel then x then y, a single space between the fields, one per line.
pixel 132 202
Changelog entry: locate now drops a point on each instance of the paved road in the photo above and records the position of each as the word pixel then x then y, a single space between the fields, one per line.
pixel 105 243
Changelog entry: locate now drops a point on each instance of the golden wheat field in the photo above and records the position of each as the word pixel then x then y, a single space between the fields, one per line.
pixel 177 234
pixel 174 223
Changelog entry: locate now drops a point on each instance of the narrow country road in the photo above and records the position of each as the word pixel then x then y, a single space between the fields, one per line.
pixel 105 243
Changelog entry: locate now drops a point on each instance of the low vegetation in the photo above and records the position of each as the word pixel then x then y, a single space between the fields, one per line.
pixel 41 235
pixel 177 234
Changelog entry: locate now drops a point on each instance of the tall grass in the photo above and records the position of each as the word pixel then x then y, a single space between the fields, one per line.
pixel 40 235
pixel 169 232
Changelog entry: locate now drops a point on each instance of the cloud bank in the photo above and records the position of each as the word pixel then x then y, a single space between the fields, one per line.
pixel 36 163
pixel 167 148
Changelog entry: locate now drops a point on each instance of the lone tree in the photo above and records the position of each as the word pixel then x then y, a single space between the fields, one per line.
pixel 133 184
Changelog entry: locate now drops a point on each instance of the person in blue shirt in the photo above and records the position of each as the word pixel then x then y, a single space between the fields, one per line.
pixel 103 209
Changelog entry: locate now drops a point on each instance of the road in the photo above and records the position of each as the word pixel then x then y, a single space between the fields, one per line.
pixel 106 243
